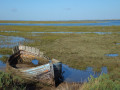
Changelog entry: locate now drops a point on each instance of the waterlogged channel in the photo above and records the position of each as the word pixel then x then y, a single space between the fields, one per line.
pixel 99 23
pixel 80 32
pixel 10 41
pixel 2 65
pixel 33 33
pixel 65 32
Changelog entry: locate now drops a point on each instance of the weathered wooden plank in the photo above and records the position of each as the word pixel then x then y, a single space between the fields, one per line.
pixel 38 68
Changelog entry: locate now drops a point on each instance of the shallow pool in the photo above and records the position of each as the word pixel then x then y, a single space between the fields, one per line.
pixel 76 75
pixel 2 65
pixel 111 55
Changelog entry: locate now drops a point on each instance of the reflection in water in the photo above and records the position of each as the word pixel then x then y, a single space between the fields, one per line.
pixel 74 75
pixel 111 55
pixel 35 62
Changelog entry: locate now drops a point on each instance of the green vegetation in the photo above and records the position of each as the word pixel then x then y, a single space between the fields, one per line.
pixel 101 83
pixel 4 59
pixel 5 51
pixel 9 82
pixel 76 50
pixel 24 29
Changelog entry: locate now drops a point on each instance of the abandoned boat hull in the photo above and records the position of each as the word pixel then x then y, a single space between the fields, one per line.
pixel 49 73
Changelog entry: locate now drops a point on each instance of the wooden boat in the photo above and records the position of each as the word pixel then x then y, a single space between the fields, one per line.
pixel 46 71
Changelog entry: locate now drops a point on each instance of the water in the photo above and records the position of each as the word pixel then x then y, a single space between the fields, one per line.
pixel 4 55
pixel 99 23
pixel 111 55
pixel 10 41
pixel 35 62
pixel 2 65
pixel 70 74
pixel 74 75
pixel 33 33
pixel 78 32
pixel 117 43
pixel 10 31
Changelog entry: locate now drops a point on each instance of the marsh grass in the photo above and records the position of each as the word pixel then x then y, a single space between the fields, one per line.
pixel 60 28
pixel 69 86
pixel 7 81
pixel 76 50
pixel 104 82
pixel 5 51
pixel 101 83
pixel 4 59
pixel 81 50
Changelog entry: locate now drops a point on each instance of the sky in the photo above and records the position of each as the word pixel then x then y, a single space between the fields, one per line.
pixel 53 10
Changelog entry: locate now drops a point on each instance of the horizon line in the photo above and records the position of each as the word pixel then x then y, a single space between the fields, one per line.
pixel 63 20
